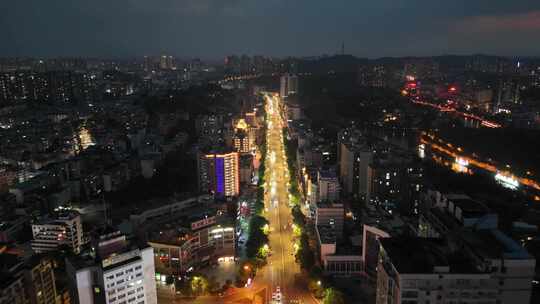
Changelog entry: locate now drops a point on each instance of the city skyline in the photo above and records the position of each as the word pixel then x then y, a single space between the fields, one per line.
pixel 212 29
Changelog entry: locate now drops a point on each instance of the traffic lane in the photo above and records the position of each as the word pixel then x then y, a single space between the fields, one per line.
pixel 276 260
pixel 281 215
pixel 273 275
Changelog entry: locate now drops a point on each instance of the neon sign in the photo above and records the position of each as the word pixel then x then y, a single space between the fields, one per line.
pixel 220 178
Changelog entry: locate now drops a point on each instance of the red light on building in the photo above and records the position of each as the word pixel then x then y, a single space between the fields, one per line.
pixel 411 85
pixel 452 89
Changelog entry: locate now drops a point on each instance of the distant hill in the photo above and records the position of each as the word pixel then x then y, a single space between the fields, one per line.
pixel 350 63
pixel 331 64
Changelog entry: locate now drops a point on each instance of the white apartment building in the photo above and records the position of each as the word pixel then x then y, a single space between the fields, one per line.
pixel 219 173
pixel 119 273
pixel 427 270
pixel 64 228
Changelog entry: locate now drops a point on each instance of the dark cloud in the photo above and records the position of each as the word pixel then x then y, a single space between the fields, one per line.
pixel 523 22
pixel 214 28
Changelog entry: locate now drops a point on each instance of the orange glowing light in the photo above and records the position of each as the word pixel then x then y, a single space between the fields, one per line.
pixel 474 162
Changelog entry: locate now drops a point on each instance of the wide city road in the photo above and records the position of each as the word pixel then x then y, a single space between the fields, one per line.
pixel 282 269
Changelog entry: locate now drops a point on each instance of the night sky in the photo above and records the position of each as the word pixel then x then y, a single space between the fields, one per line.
pixel 211 29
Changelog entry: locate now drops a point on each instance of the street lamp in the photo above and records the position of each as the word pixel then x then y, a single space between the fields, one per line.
pixel 319 282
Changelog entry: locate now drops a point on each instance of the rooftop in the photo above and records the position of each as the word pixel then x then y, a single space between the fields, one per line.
pixel 34 183
pixel 393 224
pixel 175 237
pixel 7 279
pixel 8 261
pixel 312 171
pixel 423 255
pixel 217 150
pixel 186 217
pixel 392 159
pixel 449 221
pixel 89 257
pixel 58 218
pixel 8 220
pixel 246 160
pixel 327 205
pixel 136 208
pixel 327 174
pixel 327 234
pixel 9 266
pixel 470 208
pixel 493 244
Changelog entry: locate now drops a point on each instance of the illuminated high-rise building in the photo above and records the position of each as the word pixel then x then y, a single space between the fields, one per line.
pixel 163 62
pixel 354 168
pixel 166 62
pixel 219 173
pixel 241 140
pixel 148 64
pixel 283 91
pixel 27 281
pixel 288 85
pixel 40 281
pixel 170 63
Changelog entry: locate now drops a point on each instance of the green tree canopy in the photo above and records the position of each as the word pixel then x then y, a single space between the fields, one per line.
pixel 333 296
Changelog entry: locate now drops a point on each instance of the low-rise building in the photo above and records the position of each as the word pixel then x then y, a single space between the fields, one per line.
pixel 336 261
pixel 331 214
pixel 12 226
pixel 62 228
pixel 449 212
pixel 37 183
pixel 171 207
pixel 196 237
